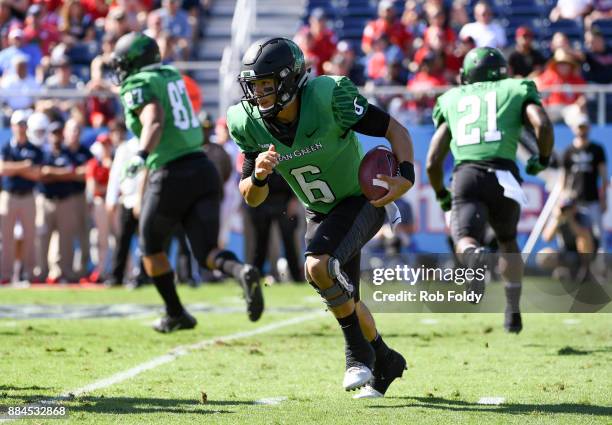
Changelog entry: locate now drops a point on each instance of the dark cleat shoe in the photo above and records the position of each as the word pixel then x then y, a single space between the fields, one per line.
pixel 167 324
pixel 513 322
pixel 474 259
pixel 385 372
pixel 249 280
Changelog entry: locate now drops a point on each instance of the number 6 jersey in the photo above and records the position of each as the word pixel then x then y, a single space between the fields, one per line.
pixel 181 133
pixel 485 118
pixel 322 163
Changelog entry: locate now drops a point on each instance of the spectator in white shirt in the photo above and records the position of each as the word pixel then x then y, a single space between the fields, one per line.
pixel 485 32
pixel 19 82
pixel 570 9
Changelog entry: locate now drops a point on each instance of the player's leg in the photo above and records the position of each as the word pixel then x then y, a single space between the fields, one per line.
pixel 156 224
pixel 201 224
pixel 504 220
pixel 336 277
pixel 389 364
pixel 469 217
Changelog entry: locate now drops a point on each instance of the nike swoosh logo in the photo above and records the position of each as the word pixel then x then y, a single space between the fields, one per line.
pixel 313 132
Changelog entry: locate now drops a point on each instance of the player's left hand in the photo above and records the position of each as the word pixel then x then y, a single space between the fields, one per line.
pixel 133 166
pixel 398 185
pixel 534 165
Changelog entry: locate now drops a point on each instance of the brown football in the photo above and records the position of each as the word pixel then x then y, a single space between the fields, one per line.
pixel 379 160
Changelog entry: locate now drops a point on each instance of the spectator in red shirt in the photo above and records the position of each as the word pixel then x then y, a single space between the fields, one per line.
pixel 40 31
pixel 316 39
pixel 430 75
pixel 96 178
pixel 563 69
pixel 376 61
pixel 437 44
pixel 438 21
pixel 387 25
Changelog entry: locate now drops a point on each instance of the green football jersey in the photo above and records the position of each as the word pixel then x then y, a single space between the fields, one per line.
pixel 322 164
pixel 181 133
pixel 485 118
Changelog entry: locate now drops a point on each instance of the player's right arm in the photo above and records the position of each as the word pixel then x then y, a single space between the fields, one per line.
pixel 438 150
pixel 535 116
pixel 256 170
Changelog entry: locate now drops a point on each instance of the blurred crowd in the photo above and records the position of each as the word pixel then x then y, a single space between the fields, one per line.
pixel 423 48
pixel 66 44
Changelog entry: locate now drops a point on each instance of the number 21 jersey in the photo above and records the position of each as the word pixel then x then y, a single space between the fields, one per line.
pixel 181 133
pixel 485 118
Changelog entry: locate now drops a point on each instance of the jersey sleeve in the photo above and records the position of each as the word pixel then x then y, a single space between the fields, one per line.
pixel 348 106
pixel 438 113
pixel 600 155
pixel 529 91
pixel 236 124
pixel 136 93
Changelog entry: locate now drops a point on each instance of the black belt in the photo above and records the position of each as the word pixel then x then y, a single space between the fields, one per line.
pixel 57 197
pixel 19 192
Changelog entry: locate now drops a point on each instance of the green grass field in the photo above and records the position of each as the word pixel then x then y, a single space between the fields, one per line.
pixel 557 371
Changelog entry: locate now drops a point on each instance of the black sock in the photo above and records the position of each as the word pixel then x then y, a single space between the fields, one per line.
pixel 166 288
pixel 227 262
pixel 513 297
pixel 356 346
pixel 380 347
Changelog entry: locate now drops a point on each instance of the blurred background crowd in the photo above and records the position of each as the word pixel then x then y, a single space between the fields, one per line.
pixel 66 217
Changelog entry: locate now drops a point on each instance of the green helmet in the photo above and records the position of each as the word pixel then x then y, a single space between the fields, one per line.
pixel 483 64
pixel 133 52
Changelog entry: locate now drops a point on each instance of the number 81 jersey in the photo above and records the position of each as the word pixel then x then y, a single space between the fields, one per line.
pixel 181 133
pixel 485 118
pixel 322 164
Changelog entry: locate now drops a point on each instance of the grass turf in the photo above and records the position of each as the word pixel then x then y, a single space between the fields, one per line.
pixel 556 371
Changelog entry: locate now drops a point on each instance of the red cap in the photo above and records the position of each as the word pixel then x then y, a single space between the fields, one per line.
pixel 523 31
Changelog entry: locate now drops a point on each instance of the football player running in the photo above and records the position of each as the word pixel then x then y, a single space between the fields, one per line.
pixel 183 185
pixel 480 123
pixel 305 130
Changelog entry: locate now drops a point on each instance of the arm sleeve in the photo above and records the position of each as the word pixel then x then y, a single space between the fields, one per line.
pixel 374 122
pixel 530 93
pixel 438 114
pixel 248 165
pixel 348 106
pixel 136 93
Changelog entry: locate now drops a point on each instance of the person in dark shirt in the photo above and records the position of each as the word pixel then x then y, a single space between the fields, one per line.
pixel 20 166
pixel 57 186
pixel 585 174
pixel 525 59
pixel 79 156
pixel 573 230
pixel 597 65
pixel 280 206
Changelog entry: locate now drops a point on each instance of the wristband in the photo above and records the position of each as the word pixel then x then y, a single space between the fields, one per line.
pixel 442 193
pixel 406 170
pixel 257 182
pixel 544 160
pixel 143 154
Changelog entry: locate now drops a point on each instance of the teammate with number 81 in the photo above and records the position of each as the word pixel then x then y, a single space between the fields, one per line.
pixel 305 130
pixel 183 185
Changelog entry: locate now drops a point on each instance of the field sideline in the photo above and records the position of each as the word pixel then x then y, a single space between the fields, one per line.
pixel 288 367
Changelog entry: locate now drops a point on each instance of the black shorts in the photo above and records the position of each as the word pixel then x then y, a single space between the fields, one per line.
pixel 343 232
pixel 186 192
pixel 478 199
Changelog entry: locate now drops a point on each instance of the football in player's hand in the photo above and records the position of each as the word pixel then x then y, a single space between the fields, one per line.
pixel 379 160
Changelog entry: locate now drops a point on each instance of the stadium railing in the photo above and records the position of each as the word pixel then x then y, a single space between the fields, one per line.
pixel 595 92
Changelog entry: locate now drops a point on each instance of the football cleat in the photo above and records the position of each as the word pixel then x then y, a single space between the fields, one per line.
pixel 167 324
pixel 249 280
pixel 474 259
pixel 513 322
pixel 356 377
pixel 391 368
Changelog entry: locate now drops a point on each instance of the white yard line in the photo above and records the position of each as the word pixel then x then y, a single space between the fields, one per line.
pixel 493 401
pixel 174 354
